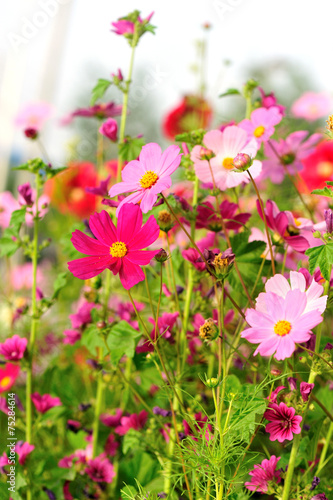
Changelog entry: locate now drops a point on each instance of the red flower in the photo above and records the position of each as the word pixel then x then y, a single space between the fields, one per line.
pixel 318 167
pixel 116 248
pixel 67 190
pixel 283 422
pixel 192 113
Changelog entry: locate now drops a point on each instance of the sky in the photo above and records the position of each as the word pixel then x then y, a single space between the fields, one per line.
pixel 55 50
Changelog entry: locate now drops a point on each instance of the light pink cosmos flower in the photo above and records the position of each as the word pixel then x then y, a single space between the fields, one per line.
pixel 33 115
pixel 224 147
pixel 23 449
pixel 311 106
pixel 287 154
pixel 13 348
pixel 261 124
pixel 263 474
pixel 282 319
pixel 116 248
pixel 283 422
pixel 45 402
pixel 148 176
pixel 7 206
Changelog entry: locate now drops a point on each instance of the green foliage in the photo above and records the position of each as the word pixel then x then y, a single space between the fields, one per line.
pixel 194 137
pixel 121 340
pixel 99 90
pixel 230 92
pixel 321 257
pixel 326 191
pixel 10 240
pixel 131 147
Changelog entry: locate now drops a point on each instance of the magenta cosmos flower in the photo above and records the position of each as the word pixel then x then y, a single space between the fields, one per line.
pixel 13 348
pixel 311 106
pixel 118 249
pixel 283 422
pixel 261 124
pixel 148 176
pixel 45 402
pixel 287 154
pixel 223 147
pixel 278 322
pixel 23 449
pixel 263 474
pixel 100 470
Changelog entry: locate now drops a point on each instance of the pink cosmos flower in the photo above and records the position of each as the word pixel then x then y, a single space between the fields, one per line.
pixel 33 116
pixel 165 324
pixel 311 106
pixel 148 176
pixel 71 336
pixel 283 422
pixel 263 474
pixel 269 100
pixel 116 248
pixel 83 315
pixel 21 276
pixel 225 146
pixel 8 375
pixel 7 206
pixel 261 124
pixel 44 402
pixel 23 450
pixel 13 348
pixel 124 27
pixel 109 129
pixel 287 154
pixel 208 217
pixel 100 470
pixel 134 421
pixel 112 420
pixel 100 111
pixel 280 321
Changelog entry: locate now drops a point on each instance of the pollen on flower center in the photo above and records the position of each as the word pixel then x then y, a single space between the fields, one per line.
pixel 118 249
pixel 220 261
pixel 282 328
pixel 148 179
pixel 4 382
pixel 228 163
pixel 259 131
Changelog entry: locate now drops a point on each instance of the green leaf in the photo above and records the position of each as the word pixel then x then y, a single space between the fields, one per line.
pixel 132 440
pixel 17 219
pixel 131 148
pixel 121 341
pixel 52 172
pixel 230 92
pixel 324 192
pixel 194 137
pixel 99 90
pixel 7 246
pixel 59 283
pixel 321 256
pixel 92 339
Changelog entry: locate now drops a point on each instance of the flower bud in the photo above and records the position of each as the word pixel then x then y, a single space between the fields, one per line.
pixel 165 220
pixel 223 264
pixel 206 154
pixel 161 256
pixel 242 161
pixel 316 234
pixel 209 330
pixel 31 133
pixel 212 382
pixel 329 220
pixel 109 129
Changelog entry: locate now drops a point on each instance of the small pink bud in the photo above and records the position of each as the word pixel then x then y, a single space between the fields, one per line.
pixel 242 161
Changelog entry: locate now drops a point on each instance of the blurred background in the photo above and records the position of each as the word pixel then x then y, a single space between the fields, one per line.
pixel 55 50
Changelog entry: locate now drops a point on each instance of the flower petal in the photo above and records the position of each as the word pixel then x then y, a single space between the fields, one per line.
pixel 103 228
pixel 88 267
pixel 129 222
pixel 146 236
pixel 130 274
pixel 88 245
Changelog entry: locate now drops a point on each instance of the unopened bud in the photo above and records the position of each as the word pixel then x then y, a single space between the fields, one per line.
pixel 329 220
pixel 206 154
pixel 165 220
pixel 31 133
pixel 242 161
pixel 212 382
pixel 316 234
pixel 161 256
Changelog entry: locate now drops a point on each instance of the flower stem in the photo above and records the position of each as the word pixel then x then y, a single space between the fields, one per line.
pixel 99 401
pixel 291 467
pixel 125 104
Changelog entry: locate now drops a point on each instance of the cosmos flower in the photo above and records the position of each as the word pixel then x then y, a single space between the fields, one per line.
pixel 283 422
pixel 192 113
pixel 318 166
pixel 261 124
pixel 116 248
pixel 32 117
pixel 125 26
pixel 263 474
pixel 287 154
pixel 100 111
pixel 283 318
pixel 13 348
pixel 208 217
pixel 45 402
pixel 148 176
pixel 311 106
pixel 223 147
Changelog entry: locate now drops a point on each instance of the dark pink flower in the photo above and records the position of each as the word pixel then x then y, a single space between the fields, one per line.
pixel 263 474
pixel 116 248
pixel 100 470
pixel 111 445
pixel 101 111
pixel 208 218
pixel 283 422
pixel 71 336
pixel 83 316
pixel 23 450
pixel 200 423
pixel 13 348
pixel 112 420
pixel 26 194
pixel 306 390
pixel 269 101
pixel 126 27
pixel 109 129
pixel 273 396
pixel 8 375
pixel 165 324
pixel 44 402
pixel 134 421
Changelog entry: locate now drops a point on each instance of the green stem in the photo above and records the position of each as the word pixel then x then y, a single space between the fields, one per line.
pixel 34 325
pixel 324 450
pixel 125 103
pixel 248 107
pixel 291 467
pixel 98 408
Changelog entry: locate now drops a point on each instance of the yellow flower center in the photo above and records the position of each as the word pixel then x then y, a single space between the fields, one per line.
pixel 282 328
pixel 148 179
pixel 5 382
pixel 259 131
pixel 219 261
pixel 325 168
pixel 118 249
pixel 297 222
pixel 228 163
